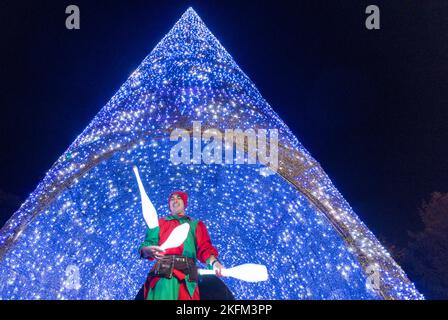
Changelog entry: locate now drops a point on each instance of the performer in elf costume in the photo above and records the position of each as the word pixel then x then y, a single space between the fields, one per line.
pixel 174 276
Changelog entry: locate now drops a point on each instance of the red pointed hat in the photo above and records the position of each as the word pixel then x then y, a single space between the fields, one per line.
pixel 181 194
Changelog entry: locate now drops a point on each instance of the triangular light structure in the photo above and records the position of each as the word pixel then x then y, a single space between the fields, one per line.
pixel 76 236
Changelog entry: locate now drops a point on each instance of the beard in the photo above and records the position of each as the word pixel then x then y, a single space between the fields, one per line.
pixel 176 209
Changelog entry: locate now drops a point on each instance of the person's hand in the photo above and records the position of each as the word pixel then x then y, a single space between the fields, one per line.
pixel 217 266
pixel 152 252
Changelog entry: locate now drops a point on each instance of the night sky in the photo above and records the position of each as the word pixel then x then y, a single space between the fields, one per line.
pixel 370 106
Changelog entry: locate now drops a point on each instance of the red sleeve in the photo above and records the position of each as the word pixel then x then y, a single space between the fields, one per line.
pixel 204 245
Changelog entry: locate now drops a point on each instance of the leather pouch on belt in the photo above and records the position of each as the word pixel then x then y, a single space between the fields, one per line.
pixel 162 268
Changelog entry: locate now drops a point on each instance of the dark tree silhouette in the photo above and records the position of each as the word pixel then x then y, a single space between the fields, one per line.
pixel 426 256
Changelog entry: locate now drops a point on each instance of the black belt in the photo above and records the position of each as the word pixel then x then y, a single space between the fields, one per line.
pixel 164 267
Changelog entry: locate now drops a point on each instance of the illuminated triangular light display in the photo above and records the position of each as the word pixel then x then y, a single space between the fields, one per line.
pixel 76 236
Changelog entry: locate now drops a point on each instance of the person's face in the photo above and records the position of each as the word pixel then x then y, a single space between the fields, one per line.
pixel 176 204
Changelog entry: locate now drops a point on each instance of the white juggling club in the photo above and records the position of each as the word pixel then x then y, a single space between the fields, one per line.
pixel 149 212
pixel 249 272
pixel 176 237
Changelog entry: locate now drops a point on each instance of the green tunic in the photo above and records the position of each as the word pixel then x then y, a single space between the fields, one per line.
pixel 197 245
